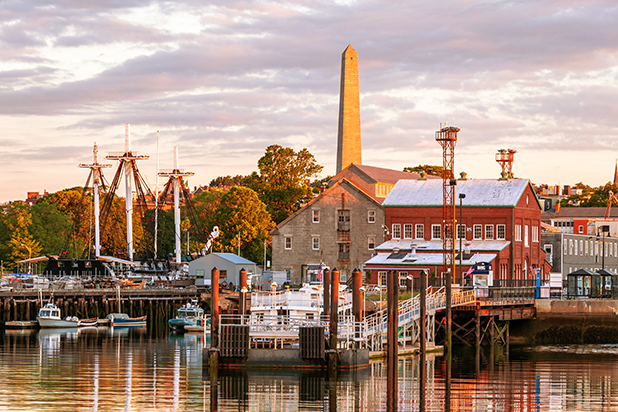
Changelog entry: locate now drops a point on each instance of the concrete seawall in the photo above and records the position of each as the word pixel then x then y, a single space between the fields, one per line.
pixel 577 321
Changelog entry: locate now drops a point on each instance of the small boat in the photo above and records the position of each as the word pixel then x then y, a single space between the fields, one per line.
pixel 21 324
pixel 122 319
pixel 88 322
pixel 49 317
pixel 188 316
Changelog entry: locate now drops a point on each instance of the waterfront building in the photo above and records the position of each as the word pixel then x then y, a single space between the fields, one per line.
pixel 568 252
pixel 228 264
pixel 498 223
pixel 339 228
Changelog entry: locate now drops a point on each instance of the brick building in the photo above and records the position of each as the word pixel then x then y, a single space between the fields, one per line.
pixel 339 228
pixel 500 224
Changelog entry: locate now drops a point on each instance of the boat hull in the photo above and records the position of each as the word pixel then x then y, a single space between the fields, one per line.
pixel 57 323
pixel 119 322
pixel 22 324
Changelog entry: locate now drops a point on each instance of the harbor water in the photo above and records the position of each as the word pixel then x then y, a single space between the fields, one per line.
pixel 104 369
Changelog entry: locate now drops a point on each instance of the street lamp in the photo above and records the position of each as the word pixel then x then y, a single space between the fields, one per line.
pixel 29 257
pixel 462 196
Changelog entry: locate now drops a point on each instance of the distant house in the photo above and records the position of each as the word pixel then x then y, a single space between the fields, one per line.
pixel 581 220
pixel 339 228
pixel 229 266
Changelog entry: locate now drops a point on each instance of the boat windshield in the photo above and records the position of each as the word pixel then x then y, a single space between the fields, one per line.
pixel 44 313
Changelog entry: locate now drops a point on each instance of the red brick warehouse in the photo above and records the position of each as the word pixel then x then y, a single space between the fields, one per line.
pixel 500 224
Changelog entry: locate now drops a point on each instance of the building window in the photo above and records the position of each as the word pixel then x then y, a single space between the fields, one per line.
pixel 420 231
pixel 288 242
pixel 478 232
pixel 549 251
pixel 581 229
pixel 407 231
pixel 315 242
pixel 382 278
pixel 575 247
pixel 501 232
pixel 571 247
pixel 489 232
pixel 316 216
pixel 586 245
pixel 403 279
pixel 535 234
pixel 343 224
pixel 396 231
pixel 435 231
pixel 461 232
pixel 371 240
pixel 518 233
pixel 526 235
pixel 344 251
pixel 371 216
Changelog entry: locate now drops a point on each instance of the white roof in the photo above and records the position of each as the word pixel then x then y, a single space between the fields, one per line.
pixel 479 192
pixel 405 245
pixel 424 259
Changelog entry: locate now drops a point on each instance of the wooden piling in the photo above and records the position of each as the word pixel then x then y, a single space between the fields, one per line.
pixel 326 280
pixel 423 319
pixel 214 309
pixel 334 324
pixel 392 336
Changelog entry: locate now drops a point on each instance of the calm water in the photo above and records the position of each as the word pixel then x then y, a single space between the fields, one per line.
pixel 104 369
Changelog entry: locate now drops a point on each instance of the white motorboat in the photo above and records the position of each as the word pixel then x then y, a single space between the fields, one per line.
pixel 190 317
pixel 49 317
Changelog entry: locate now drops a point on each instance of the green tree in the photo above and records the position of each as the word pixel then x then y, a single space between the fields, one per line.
pixel 228 180
pixel 50 227
pixel 284 180
pixel 428 169
pixel 20 244
pixel 241 211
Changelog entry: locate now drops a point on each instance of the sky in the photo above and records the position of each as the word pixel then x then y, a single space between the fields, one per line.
pixel 224 79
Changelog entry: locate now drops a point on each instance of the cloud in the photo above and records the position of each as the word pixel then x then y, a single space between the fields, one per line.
pixel 224 79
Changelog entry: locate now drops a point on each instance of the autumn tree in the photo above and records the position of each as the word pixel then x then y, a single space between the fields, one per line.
pixel 242 212
pixel 284 178
pixel 19 243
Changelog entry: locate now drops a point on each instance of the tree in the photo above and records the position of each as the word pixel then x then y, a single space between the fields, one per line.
pixel 428 169
pixel 242 212
pixel 284 180
pixel 50 227
pixel 20 244
pixel 228 180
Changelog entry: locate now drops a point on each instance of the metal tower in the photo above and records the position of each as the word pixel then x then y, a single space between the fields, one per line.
pixel 128 165
pixel 97 178
pixel 447 137
pixel 175 177
pixel 505 160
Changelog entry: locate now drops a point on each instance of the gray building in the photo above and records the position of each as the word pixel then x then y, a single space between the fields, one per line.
pixel 229 266
pixel 567 252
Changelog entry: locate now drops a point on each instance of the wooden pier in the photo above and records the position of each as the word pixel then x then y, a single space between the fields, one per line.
pixel 158 304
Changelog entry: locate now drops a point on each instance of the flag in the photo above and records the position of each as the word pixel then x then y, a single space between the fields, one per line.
pixel 469 271
pixel 320 272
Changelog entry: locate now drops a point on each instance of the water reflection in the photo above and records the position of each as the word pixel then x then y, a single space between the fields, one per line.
pixel 129 370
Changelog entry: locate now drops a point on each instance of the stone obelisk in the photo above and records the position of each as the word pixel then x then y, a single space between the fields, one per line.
pixel 348 136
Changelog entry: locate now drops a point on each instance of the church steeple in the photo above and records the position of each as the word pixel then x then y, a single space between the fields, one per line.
pixel 348 136
pixel 616 173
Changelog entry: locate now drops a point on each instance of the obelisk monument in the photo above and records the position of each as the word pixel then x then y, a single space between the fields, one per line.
pixel 348 136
